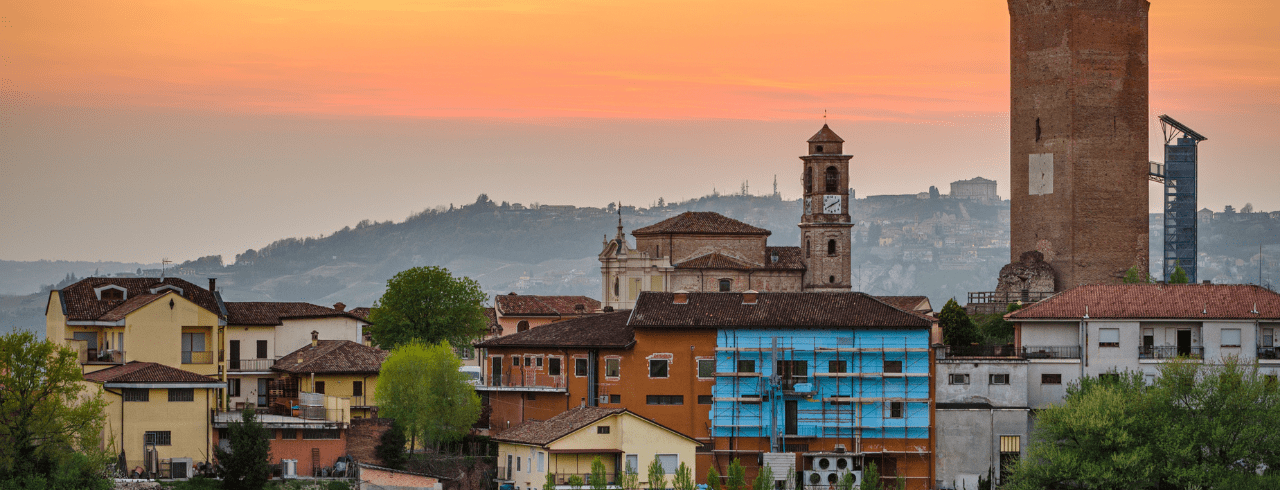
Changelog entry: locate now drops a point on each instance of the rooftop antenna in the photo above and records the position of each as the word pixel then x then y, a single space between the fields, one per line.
pixel 163 261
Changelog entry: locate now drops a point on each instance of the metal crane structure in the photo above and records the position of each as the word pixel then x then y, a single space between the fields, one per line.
pixel 1179 174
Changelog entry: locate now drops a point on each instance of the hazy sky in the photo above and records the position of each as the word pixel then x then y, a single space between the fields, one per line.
pixel 136 130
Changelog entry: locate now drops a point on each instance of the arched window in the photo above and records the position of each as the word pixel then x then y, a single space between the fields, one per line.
pixel 831 279
pixel 615 287
pixel 808 180
pixel 833 179
pixel 808 249
pixel 522 326
pixel 831 247
pixel 725 285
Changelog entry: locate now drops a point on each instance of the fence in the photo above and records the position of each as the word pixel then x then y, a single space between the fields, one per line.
pixel 250 364
pixel 1170 352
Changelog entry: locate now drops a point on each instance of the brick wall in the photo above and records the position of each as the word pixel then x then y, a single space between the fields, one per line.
pixel 363 437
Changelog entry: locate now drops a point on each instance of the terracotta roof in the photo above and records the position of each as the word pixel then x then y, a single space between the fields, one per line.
pixel 271 313
pixel 361 312
pixel 146 372
pixel 530 305
pixel 332 356
pixel 701 223
pixel 491 316
pixel 82 304
pixel 851 309
pixel 606 330
pixel 906 303
pixel 1157 301
pixel 130 305
pixel 826 135
pixel 541 433
pixel 788 258
pixel 714 260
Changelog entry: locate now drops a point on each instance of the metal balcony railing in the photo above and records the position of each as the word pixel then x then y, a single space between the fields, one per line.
pixel 563 478
pixel 508 379
pixel 105 357
pixel 1269 353
pixel 196 357
pixel 250 364
pixel 1170 352
pixel 1051 352
pixel 954 351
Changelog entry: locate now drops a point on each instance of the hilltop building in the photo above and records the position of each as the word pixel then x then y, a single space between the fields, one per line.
pixel 703 251
pixel 976 188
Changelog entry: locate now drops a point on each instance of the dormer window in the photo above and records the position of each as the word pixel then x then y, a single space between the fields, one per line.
pixel 726 285
pixel 111 292
pixel 773 256
pixel 158 289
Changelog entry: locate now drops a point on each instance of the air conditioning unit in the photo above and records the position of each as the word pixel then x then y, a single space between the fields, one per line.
pixel 839 448
pixel 604 399
pixel 818 479
pixel 857 478
pixel 824 463
pixel 842 463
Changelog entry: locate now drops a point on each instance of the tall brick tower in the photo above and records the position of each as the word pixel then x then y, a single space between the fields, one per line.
pixel 825 226
pixel 1079 136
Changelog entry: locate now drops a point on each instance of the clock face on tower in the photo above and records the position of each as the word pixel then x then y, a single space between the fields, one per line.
pixel 831 204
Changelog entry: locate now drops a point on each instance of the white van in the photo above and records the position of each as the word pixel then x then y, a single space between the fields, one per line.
pixel 475 376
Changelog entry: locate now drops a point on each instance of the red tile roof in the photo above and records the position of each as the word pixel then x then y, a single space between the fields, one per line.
pixel 130 305
pixel 701 223
pixel 361 312
pixel 788 258
pixel 851 309
pixel 333 357
pixel 1157 301
pixel 907 303
pixel 541 433
pixel 146 372
pixel 826 135
pixel 82 304
pixel 606 330
pixel 271 313
pixel 530 305
pixel 715 260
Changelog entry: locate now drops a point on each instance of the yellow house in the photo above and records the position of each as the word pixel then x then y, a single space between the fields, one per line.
pixel 566 445
pixel 157 414
pixel 111 321
pixel 338 368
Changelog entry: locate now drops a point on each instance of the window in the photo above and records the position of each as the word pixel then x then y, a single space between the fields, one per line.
pixel 895 410
pixel 633 463
pixel 893 366
pixel 515 360
pixel 579 367
pixel 999 379
pixel 522 325
pixel 357 388
pixel 833 179
pixel 612 367
pixel 602 429
pixel 706 368
pixel 262 349
pixel 664 399
pixel 1108 337
pixel 517 463
pixel 746 366
pixel 817 149
pixel 658 368
pixel 831 247
pixel 317 434
pixel 233 387
pixel 465 352
pixel 615 398
pixel 837 366
pixel 319 386
pixel 553 366
pixel 157 437
pixel 1268 337
pixel 528 361
pixel 289 434
pixel 1050 379
pixel 112 294
pixel 808 180
pixel 706 399
pixel 1231 337
pixel 182 394
pixel 726 285
pixel 191 343
pixel 958 379
pixel 792 373
pixel 669 462
pixel 1010 449
pixel 530 396
pixel 137 394
pixel 537 361
pixel 808 249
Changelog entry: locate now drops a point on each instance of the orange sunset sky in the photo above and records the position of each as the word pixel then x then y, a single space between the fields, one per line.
pixel 182 129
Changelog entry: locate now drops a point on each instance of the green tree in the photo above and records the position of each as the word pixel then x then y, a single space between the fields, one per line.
pixel 246 465
pixel 428 304
pixel 1179 276
pixel 870 478
pixel 846 482
pixel 630 478
pixel 550 482
pixel 957 328
pixel 764 479
pixel 49 417
pixel 713 479
pixel 575 482
pixel 419 385
pixel 599 479
pixel 657 474
pixel 737 476
pixel 684 478
pixel 390 447
pixel 1134 276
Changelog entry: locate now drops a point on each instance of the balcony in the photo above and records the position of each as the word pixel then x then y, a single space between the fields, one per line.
pixel 1170 352
pixel 532 381
pixel 1051 352
pixel 250 365
pixel 988 302
pixel 197 357
pixel 978 351
pixel 1269 353
pixel 94 356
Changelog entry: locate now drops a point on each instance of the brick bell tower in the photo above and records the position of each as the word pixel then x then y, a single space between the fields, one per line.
pixel 1078 149
pixel 825 227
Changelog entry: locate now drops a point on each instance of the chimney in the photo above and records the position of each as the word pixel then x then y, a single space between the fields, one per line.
pixel 315 338
pixel 749 297
pixel 681 297
pixel 579 308
pixel 368 340
pixel 340 306
pixel 213 284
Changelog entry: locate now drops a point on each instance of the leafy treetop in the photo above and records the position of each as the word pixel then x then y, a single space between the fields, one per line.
pixel 430 305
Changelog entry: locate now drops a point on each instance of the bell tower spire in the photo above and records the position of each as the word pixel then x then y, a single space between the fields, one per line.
pixel 825 226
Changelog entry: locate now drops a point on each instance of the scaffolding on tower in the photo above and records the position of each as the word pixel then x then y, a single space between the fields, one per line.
pixel 1179 174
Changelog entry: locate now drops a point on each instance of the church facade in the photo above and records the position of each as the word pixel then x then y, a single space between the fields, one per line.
pixel 709 252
